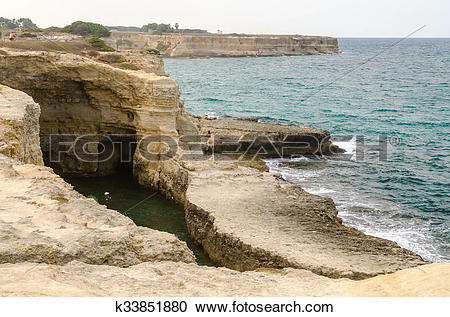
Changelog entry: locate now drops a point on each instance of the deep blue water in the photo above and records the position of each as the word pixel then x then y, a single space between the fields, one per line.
pixel 402 93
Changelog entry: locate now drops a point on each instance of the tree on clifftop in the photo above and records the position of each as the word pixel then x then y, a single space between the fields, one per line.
pixel 87 28
pixel 14 24
pixel 26 23
pixel 150 27
pixel 158 28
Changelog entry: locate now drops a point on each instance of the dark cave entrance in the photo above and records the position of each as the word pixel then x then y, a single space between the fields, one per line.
pixel 100 166
pixel 89 155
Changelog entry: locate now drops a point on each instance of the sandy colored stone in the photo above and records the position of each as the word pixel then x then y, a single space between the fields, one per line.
pixel 43 220
pixel 82 97
pixel 167 279
pixel 137 60
pixel 423 281
pixel 246 219
pixel 19 126
pixel 77 94
pixel 213 45
pixel 247 126
pixel 264 139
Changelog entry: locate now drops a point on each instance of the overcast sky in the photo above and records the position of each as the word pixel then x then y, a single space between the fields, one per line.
pixel 341 18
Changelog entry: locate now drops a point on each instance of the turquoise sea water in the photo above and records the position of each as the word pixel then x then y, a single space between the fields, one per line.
pixel 402 93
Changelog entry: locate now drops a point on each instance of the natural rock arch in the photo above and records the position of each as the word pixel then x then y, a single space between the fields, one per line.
pixel 82 97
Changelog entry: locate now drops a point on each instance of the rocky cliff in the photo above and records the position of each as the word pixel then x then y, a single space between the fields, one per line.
pixel 209 45
pixel 245 218
pixel 83 97
pixel 79 96
pixel 43 220
pixel 19 126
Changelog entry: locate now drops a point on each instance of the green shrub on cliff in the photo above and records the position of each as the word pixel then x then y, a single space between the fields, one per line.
pixel 32 30
pixel 128 66
pixel 27 35
pixel 53 29
pixel 112 58
pixel 150 51
pixel 100 44
pixel 87 28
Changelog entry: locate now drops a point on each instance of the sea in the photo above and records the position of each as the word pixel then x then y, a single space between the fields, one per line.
pixel 378 87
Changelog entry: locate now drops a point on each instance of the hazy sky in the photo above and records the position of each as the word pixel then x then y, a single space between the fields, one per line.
pixel 365 18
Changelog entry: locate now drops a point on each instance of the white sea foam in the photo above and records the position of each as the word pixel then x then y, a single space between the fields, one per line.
pixel 300 159
pixel 348 146
pixel 211 115
pixel 370 214
pixel 319 190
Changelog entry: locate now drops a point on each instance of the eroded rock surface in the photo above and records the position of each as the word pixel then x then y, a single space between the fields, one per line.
pixel 246 219
pixel 209 45
pixel 264 139
pixel 79 96
pixel 19 126
pixel 180 279
pixel 43 220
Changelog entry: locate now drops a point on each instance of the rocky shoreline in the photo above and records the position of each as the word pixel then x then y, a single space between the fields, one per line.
pixel 291 243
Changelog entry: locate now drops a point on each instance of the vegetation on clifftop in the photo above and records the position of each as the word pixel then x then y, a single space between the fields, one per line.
pixel 112 58
pixel 100 44
pixel 92 29
pixel 87 28
pixel 156 28
pixel 16 24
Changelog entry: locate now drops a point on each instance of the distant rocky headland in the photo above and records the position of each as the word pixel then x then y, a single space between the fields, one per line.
pixel 224 45
pixel 167 41
pixel 267 237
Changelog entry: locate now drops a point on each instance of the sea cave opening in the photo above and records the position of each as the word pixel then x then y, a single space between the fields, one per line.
pixel 93 149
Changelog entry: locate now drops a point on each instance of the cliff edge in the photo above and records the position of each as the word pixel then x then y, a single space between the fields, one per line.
pixel 223 45
pixel 245 218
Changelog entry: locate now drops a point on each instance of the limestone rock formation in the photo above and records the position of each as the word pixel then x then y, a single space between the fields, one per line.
pixel 264 139
pixel 165 279
pixel 83 97
pixel 19 126
pixel 209 45
pixel 246 219
pixel 133 60
pixel 43 220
